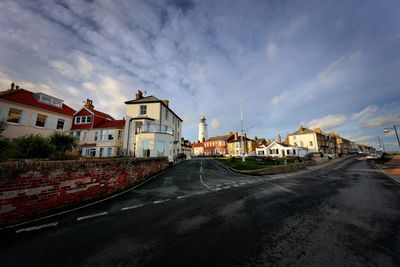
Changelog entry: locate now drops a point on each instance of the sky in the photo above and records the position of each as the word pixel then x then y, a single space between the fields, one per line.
pixel 328 64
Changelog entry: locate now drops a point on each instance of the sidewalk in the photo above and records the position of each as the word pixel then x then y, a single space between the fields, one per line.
pixel 391 168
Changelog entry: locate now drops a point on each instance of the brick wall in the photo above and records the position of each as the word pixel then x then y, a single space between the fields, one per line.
pixel 32 188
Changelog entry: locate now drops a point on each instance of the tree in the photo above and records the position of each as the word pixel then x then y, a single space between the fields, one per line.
pixel 34 146
pixel 63 143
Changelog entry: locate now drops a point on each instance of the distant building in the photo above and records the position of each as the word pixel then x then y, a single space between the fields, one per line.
pixel 152 129
pixel 203 129
pixel 313 141
pixel 235 145
pixel 99 134
pixel 217 146
pixel 276 149
pixel 25 112
pixel 198 149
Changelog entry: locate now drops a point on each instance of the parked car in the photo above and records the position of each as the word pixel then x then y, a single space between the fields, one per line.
pixel 265 160
pixel 374 156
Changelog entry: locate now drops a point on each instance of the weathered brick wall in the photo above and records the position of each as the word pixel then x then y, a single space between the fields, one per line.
pixel 29 189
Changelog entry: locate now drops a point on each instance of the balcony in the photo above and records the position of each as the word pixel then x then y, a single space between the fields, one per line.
pixel 154 128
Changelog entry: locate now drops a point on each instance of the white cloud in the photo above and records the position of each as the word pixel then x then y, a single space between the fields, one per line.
pixel 89 86
pixel 328 122
pixel 84 65
pixel 365 113
pixel 380 121
pixel 325 75
pixel 215 124
pixel 272 50
pixel 63 68
pixel 277 100
pixel 295 25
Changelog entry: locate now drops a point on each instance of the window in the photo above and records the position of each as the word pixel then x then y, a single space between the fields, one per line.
pixel 90 152
pixel 160 148
pixel 143 110
pixel 294 152
pixel 84 136
pixel 83 119
pixel 119 134
pixel 166 114
pixel 78 120
pixel 101 152
pixel 288 152
pixel 88 119
pixel 311 144
pixel 40 120
pixel 14 115
pixel 261 152
pixel 77 135
pixel 96 135
pixel 60 124
pixel 110 135
pixel 271 152
pixel 109 152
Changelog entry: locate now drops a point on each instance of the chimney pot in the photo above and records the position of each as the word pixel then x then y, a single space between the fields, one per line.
pixel 139 95
pixel 89 103
pixel 279 138
pixel 16 87
pixel 12 86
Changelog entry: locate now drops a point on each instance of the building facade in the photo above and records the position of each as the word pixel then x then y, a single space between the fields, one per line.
pixel 234 146
pixel 25 113
pixel 98 134
pixel 280 150
pixel 152 129
pixel 217 146
pixel 198 149
pixel 310 140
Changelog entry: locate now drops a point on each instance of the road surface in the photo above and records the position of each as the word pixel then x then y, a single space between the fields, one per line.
pixel 201 214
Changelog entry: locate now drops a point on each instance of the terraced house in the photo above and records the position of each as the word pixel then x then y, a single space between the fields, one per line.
pixel 25 112
pixel 153 129
pixel 99 134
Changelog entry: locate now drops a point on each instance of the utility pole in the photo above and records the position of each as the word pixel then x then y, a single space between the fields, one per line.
pixel 241 129
pixel 381 144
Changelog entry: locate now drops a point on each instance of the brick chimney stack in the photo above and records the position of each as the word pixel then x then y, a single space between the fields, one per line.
pixel 139 95
pixel 17 87
pixel 12 86
pixel 279 138
pixel 89 104
pixel 301 128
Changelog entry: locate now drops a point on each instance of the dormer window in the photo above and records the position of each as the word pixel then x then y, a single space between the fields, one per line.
pixel 83 119
pixel 49 100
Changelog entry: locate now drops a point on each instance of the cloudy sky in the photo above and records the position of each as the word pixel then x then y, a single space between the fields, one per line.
pixel 328 64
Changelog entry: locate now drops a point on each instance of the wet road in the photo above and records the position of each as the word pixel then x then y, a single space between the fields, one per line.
pixel 200 214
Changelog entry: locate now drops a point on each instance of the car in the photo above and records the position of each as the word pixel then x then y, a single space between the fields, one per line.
pixel 374 156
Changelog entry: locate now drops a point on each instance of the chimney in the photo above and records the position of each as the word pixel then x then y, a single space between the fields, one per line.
pixel 279 138
pixel 166 102
pixel 17 87
pixel 12 86
pixel 318 130
pixel 139 95
pixel 255 138
pixel 301 128
pixel 245 135
pixel 236 136
pixel 89 103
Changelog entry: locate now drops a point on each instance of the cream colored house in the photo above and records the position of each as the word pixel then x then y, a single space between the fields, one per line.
pixel 99 134
pixel 313 141
pixel 152 129
pixel 25 113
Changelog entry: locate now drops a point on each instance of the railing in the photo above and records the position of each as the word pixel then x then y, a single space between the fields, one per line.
pixel 155 128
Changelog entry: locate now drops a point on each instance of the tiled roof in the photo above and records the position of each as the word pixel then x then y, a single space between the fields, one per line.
pixel 26 97
pixel 144 100
pixel 197 144
pixel 305 131
pixel 220 137
pixel 120 124
pixel 101 114
pixel 240 139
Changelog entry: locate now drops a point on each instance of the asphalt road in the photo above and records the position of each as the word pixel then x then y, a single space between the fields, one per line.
pixel 200 214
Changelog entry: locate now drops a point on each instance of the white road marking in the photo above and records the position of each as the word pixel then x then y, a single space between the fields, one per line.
pixel 92 216
pixel 133 207
pixel 160 201
pixel 201 169
pixel 33 228
pixel 242 183
pixel 183 196
pixel 281 187
pixel 218 185
pixel 236 185
pixel 226 187
pixel 202 182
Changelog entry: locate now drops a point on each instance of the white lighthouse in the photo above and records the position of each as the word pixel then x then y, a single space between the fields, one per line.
pixel 202 129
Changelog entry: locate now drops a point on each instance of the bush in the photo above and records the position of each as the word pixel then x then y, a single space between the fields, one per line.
pixel 34 146
pixel 7 150
pixel 63 143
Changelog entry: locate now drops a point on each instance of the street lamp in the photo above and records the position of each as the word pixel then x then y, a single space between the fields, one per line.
pixel 386 130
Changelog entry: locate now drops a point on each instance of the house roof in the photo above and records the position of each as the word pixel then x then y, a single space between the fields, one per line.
pixel 151 99
pixel 305 131
pixel 198 145
pixel 26 97
pixel 96 113
pixel 219 138
pixel 240 140
pixel 280 144
pixel 119 124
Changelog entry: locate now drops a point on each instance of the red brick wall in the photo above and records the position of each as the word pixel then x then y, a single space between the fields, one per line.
pixel 29 189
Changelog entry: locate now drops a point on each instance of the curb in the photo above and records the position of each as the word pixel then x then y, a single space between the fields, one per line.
pixel 86 205
pixel 387 175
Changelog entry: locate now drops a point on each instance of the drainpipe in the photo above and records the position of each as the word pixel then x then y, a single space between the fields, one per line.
pixel 129 129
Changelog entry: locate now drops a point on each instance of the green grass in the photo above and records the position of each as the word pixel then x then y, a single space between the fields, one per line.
pixel 385 158
pixel 250 163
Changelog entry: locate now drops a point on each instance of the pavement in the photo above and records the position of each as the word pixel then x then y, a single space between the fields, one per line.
pixel 200 214
pixel 391 168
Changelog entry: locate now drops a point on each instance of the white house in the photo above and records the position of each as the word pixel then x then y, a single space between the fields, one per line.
pixel 280 150
pixel 152 129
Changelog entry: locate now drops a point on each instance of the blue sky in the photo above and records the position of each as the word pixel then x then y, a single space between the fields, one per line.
pixel 328 64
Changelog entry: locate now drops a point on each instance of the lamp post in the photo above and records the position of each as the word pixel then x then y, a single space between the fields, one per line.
pixel 386 130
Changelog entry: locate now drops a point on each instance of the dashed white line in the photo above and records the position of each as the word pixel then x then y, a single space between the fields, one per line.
pixel 226 187
pixel 33 228
pixel 92 216
pixel 281 187
pixel 183 196
pixel 160 201
pixel 201 169
pixel 133 207
pixel 202 182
